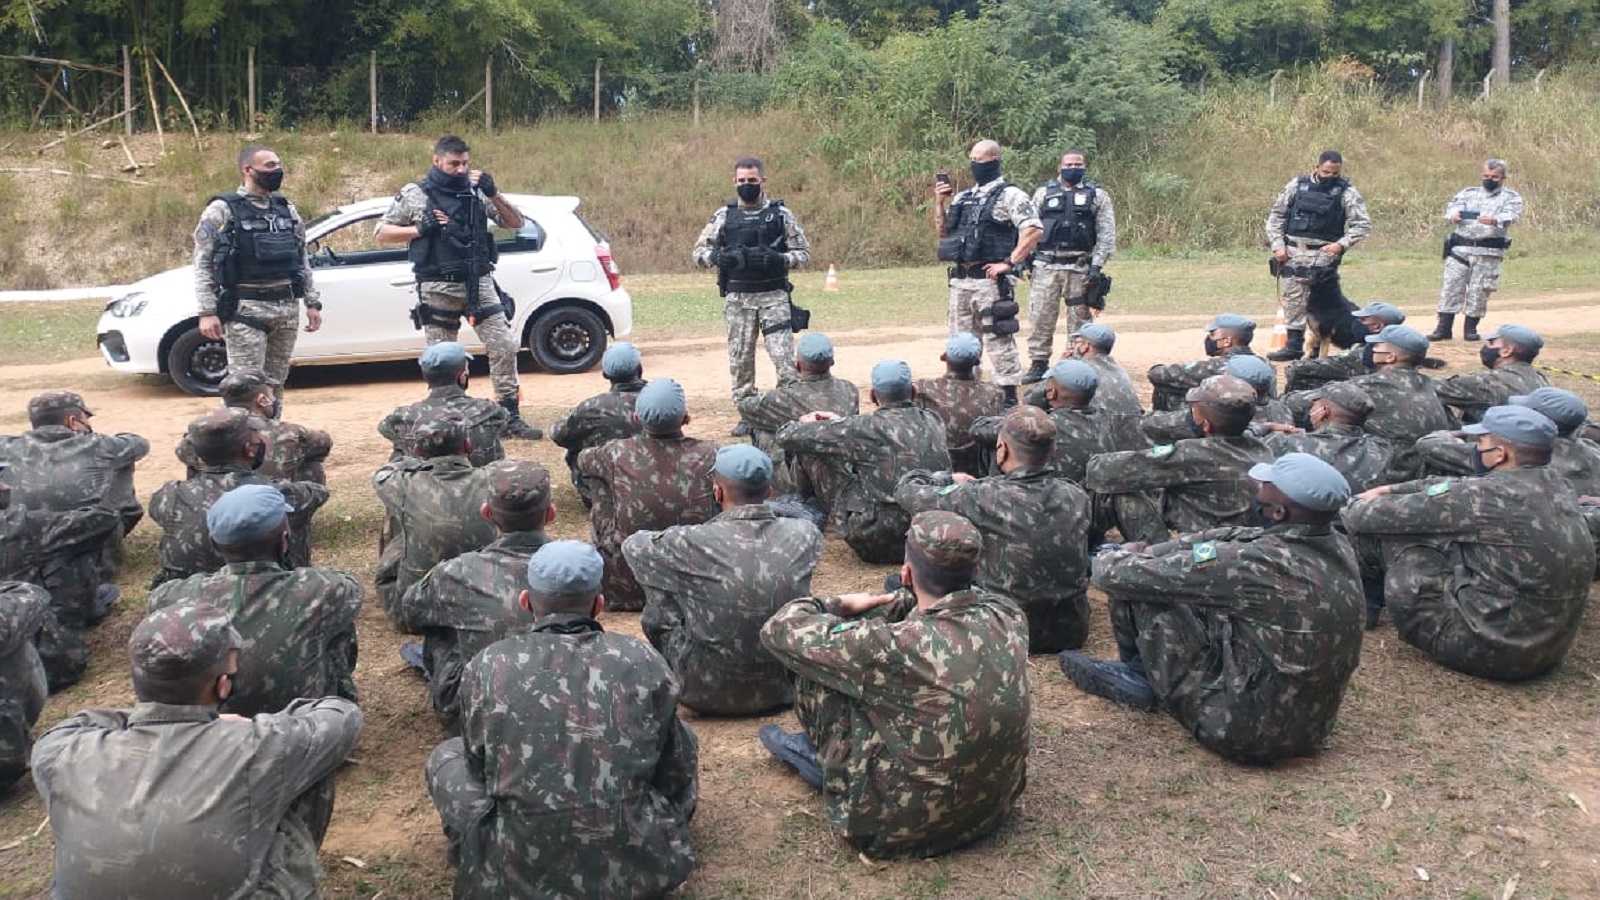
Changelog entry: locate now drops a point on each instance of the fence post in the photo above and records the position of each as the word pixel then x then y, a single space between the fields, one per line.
pixel 597 61
pixel 250 91
pixel 696 94
pixel 488 94
pixel 372 89
pixel 1272 88
pixel 1486 80
pixel 1422 87
pixel 1537 87
pixel 127 91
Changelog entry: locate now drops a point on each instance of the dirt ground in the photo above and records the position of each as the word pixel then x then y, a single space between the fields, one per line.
pixel 1433 785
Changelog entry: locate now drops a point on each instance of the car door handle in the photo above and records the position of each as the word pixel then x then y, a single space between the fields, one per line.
pixel 544 270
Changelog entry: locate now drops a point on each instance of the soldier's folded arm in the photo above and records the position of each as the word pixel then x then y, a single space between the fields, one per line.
pixel 25 606
pixel 304 496
pixel 1127 471
pixel 1410 509
pixel 829 649
pixel 1176 577
pixel 303 744
pixel 66 530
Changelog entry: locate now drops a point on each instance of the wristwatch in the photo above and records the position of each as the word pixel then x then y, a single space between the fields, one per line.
pixel 314 304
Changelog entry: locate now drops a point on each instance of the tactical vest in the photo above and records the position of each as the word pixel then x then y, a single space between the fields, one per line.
pixel 467 242
pixel 264 243
pixel 1068 218
pixel 764 227
pixel 1316 210
pixel 971 233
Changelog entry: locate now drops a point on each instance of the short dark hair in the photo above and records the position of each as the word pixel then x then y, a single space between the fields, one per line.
pixel 935 579
pixel 185 691
pixel 450 144
pixel 218 447
pixel 440 377
pixel 544 604
pixel 248 154
pixel 742 494
pixel 1028 454
pixel 260 548
pixel 895 396
pixel 1528 454
pixel 1227 421
pixel 57 415
pixel 814 367
pixel 1332 156
pixel 750 162
pixel 519 519
pixel 1075 151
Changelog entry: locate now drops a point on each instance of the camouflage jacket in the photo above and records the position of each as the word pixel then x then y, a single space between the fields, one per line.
pixel 1467 395
pixel 1404 405
pixel 767 412
pixel 1081 434
pixel 640 483
pixel 59 552
pixel 601 418
pixel 24 609
pixel 462 606
pixel 180 507
pixel 1279 632
pixel 1169 427
pixel 204 804
pixel 1362 458
pixel 1169 382
pixel 485 419
pixel 923 716
pixel 1035 527
pixel 1307 374
pixel 433 515
pixel 294 453
pixel 589 777
pixel 866 455
pixel 959 402
pixel 59 469
pixel 299 630
pixel 1116 392
pixel 1204 482
pixel 708 590
pixel 1489 575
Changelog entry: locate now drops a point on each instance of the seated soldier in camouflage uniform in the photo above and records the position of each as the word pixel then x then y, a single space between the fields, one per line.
pixel 1227 335
pixel 444 368
pixel 432 501
pixel 467 603
pixel 294 452
pixel 1247 636
pixel 230 445
pixel 1260 374
pixel 1487 574
pixel 709 588
pixel 1508 355
pixel 1316 371
pixel 603 417
pixel 1092 345
pixel 24 610
pixel 1189 485
pixel 1337 436
pixel 915 705
pixel 207 805
pixel 299 625
pixel 862 457
pixel 573 775
pixel 1083 430
pixel 657 479
pixel 960 399
pixel 1035 527
pixel 815 388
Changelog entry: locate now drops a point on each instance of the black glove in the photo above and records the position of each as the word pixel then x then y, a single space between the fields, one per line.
pixel 428 224
pixel 486 184
pixel 730 258
pixel 759 257
pixel 1094 273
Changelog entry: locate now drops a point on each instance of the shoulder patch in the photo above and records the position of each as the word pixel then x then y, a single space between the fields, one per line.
pixel 1204 552
pixel 844 626
pixel 1160 450
pixel 949 489
pixel 1434 490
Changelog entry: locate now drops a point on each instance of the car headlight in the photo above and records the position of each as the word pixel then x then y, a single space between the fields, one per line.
pixel 128 305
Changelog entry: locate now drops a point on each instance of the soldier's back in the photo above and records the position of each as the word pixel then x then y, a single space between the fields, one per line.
pixel 433 515
pixel 485 420
pixel 1116 392
pixel 959 402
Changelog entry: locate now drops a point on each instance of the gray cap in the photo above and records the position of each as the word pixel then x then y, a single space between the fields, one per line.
pixel 1517 424
pixel 744 464
pixel 1388 312
pixel 447 355
pixel 1232 322
pixel 247 513
pixel 1348 397
pixel 1075 375
pixel 1403 337
pixel 1564 408
pixel 1306 480
pixel 891 376
pixel 661 403
pixel 1521 335
pixel 183 640
pixel 1253 369
pixel 814 348
pixel 620 360
pixel 963 348
pixel 565 569
pixel 1099 335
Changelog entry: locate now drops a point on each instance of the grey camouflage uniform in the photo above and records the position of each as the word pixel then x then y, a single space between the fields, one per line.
pixel 1467 395
pixel 969 297
pixel 768 411
pixel 432 508
pixel 1186 486
pixel 52 550
pixel 1467 285
pixel 484 419
pixel 1063 278
pixel 601 418
pixel 1307 253
pixel 24 611
pixel 179 507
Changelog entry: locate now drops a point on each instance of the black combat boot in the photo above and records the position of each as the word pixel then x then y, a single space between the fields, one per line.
pixel 1469 331
pixel 1010 390
pixel 740 430
pixel 1294 349
pixel 516 427
pixel 1441 331
pixel 1036 371
pixel 1119 682
pixel 1372 590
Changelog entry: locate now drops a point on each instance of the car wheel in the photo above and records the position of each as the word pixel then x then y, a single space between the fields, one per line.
pixel 566 340
pixel 197 364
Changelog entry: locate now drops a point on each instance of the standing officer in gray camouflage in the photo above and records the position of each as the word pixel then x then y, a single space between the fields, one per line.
pixel 445 370
pixel 294 452
pixel 1316 219
pixel 604 417
pixel 207 805
pixel 24 610
pixel 753 242
pixel 1248 636
pixel 987 231
pixel 251 269
pixel 709 588
pixel 446 218
pixel 1080 235
pixel 573 775
pixel 1474 250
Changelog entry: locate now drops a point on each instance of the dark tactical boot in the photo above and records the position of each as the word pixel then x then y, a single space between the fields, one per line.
pixel 1372 589
pixel 1115 681
pixel 105 596
pixel 1010 390
pixel 1036 371
pixel 793 749
pixel 1441 331
pixel 740 430
pixel 1469 332
pixel 411 652
pixel 1293 349
pixel 517 427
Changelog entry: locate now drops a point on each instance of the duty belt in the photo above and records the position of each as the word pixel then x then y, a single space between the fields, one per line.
pixel 1496 243
pixel 1055 256
pixel 453 279
pixel 283 293
pixel 970 270
pixel 1307 243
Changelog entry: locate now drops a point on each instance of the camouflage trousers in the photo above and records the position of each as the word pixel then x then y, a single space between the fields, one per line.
pixel 21 702
pixel 494 331
pixel 1295 290
pixel 1467 286
pixel 1308 374
pixel 461 800
pixel 270 350
pixel 969 297
pixel 753 319
pixel 1050 288
pixel 1137 516
pixel 1441 453
pixel 877 536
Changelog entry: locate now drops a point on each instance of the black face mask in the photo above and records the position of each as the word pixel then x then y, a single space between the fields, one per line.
pixel 1488 356
pixel 985 172
pixel 1490 185
pixel 268 180
pixel 1195 428
pixel 1072 174
pixel 1478 465
pixel 260 456
pixel 277 408
pixel 1258 514
pixel 1366 356
pixel 1211 346
pixel 460 183
pixel 464 380
pixel 749 193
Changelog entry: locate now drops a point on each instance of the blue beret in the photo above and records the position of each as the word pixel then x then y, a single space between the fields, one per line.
pixel 963 348
pixel 744 464
pixel 565 568
pixel 814 348
pixel 1253 369
pixel 620 360
pixel 660 403
pixel 1403 337
pixel 1099 335
pixel 891 376
pixel 1075 375
pixel 1232 322
pixel 1517 424
pixel 246 513
pixel 1564 408
pixel 1521 335
pixel 1388 312
pixel 1306 480
pixel 443 355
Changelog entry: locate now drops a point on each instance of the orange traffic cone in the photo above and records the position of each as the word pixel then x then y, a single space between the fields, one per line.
pixel 1280 330
pixel 831 283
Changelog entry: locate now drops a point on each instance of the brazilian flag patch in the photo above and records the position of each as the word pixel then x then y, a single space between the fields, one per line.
pixel 1204 552
pixel 1435 490
pixel 844 626
pixel 949 489
pixel 1160 450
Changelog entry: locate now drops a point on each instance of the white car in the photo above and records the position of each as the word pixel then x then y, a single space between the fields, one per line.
pixel 559 270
